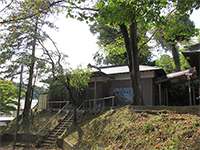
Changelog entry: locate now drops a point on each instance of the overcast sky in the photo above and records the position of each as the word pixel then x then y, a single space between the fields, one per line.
pixel 75 39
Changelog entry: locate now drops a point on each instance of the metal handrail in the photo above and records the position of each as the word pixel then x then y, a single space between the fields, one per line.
pixel 35 107
pixel 52 102
pixel 99 99
pixel 51 119
pixel 70 117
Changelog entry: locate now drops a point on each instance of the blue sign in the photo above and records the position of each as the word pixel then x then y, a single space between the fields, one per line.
pixel 124 95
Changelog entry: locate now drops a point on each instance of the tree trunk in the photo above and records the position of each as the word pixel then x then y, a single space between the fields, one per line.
pixel 135 73
pixel 131 46
pixel 67 86
pixel 176 57
pixel 27 106
pixel 125 34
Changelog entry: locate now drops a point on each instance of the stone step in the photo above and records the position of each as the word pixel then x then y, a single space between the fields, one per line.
pixel 56 133
pixel 63 124
pixel 61 128
pixel 51 138
pixel 48 145
pixel 49 142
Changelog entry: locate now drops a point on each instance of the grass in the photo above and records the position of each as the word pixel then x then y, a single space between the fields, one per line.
pixel 125 129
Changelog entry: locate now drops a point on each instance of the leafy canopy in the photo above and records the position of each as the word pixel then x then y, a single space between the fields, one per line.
pixel 124 11
pixel 177 28
pixel 115 53
pixel 79 78
pixel 8 95
pixel 166 62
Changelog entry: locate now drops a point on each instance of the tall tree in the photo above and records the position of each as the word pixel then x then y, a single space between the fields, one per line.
pixel 111 44
pixel 127 14
pixel 176 29
pixel 20 42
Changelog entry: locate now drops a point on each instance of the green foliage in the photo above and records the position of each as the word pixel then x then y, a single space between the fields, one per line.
pixel 178 28
pixel 112 49
pixel 115 53
pixel 184 62
pixel 17 37
pixel 116 12
pixel 74 81
pixel 8 95
pixel 106 34
pixel 57 91
pixel 188 5
pixel 79 78
pixel 166 62
pixel 111 14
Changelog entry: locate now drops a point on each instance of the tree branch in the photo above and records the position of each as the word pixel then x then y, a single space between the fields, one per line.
pixel 50 57
pixel 34 14
pixel 154 33
pixel 7 6
pixel 74 6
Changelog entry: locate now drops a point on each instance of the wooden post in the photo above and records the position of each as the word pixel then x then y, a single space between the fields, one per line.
pixel 190 92
pixel 112 103
pixel 95 94
pixel 167 103
pixel 89 105
pixel 193 95
pixel 160 94
pixel 199 79
pixel 103 104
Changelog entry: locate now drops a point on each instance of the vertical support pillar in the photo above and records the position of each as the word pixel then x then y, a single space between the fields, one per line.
pixel 198 73
pixel 199 78
pixel 193 95
pixel 190 92
pixel 89 105
pixel 112 102
pixel 103 104
pixel 199 93
pixel 167 103
pixel 48 105
pixel 160 94
pixel 95 94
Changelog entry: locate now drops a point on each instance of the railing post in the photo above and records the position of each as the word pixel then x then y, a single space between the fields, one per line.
pixel 103 104
pixel 94 107
pixel 89 105
pixel 112 102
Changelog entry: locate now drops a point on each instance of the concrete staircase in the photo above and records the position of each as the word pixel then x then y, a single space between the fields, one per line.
pixel 49 141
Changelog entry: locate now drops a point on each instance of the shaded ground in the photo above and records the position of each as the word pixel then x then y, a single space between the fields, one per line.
pixel 10 147
pixel 128 128
pixel 39 120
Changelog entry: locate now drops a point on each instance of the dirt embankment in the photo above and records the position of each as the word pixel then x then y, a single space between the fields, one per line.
pixel 134 128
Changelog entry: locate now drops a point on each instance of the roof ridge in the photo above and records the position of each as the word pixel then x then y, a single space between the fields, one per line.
pixel 110 66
